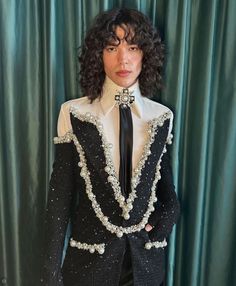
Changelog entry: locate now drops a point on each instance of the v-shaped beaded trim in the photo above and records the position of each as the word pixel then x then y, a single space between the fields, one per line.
pixel 118 230
pixel 126 205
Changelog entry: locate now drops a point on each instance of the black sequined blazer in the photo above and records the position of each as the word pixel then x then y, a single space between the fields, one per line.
pixel 84 190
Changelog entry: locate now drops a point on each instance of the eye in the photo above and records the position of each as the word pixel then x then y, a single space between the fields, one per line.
pixel 134 48
pixel 110 49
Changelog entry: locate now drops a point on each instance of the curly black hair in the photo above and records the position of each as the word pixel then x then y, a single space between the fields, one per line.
pixel 139 30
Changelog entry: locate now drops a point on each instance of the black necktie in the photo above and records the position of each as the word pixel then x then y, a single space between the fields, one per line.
pixel 125 99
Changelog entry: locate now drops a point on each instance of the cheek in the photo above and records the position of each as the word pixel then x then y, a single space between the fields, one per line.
pixel 139 65
pixel 138 60
pixel 107 62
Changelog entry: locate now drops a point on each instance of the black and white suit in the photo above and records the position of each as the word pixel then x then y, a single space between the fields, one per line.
pixel 82 190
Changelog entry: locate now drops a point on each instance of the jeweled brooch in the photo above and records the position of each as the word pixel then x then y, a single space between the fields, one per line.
pixel 124 98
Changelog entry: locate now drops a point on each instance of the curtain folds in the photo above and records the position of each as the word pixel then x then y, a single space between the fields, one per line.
pixel 38 50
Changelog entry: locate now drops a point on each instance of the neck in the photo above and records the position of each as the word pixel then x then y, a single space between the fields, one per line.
pixel 114 88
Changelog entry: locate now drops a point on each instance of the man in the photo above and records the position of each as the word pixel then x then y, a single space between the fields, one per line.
pixel 111 176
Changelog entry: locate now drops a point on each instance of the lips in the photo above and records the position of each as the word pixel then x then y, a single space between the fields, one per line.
pixel 123 73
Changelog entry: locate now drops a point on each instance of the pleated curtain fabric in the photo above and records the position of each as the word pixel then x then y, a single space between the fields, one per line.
pixel 39 41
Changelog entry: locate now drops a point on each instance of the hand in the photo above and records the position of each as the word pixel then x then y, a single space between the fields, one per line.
pixel 148 227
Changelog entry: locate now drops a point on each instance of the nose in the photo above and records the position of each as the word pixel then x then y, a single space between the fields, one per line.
pixel 122 56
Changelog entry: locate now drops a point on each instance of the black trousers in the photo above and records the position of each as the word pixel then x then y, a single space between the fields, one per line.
pixel 126 278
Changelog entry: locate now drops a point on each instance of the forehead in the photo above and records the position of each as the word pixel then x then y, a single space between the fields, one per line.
pixel 121 33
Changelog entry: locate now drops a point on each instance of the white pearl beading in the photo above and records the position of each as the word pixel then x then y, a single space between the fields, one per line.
pixel 67 138
pixel 118 230
pixel 100 248
pixel 126 205
pixel 169 139
pixel 156 244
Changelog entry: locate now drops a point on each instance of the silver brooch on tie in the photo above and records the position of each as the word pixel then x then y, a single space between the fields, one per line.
pixel 124 98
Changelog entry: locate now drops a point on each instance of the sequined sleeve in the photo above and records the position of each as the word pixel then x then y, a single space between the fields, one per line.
pixel 167 208
pixel 60 195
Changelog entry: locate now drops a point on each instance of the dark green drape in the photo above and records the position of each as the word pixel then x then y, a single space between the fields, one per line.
pixel 38 43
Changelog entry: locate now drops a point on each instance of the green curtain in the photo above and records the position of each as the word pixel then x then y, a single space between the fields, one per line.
pixel 38 45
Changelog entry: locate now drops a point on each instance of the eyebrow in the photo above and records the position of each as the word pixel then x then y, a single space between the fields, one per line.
pixel 117 41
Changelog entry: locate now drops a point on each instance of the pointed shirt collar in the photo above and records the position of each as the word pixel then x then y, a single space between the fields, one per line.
pixel 110 89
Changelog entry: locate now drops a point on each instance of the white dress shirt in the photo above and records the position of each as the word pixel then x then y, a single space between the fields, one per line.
pixel 105 108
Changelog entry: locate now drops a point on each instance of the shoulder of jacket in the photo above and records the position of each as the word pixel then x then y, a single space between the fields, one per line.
pixel 77 102
pixel 64 122
pixel 156 109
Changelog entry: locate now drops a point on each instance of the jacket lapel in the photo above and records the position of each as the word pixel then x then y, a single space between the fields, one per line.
pixel 92 144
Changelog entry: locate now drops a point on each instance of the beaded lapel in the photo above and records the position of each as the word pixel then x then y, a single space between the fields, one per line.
pixel 126 205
